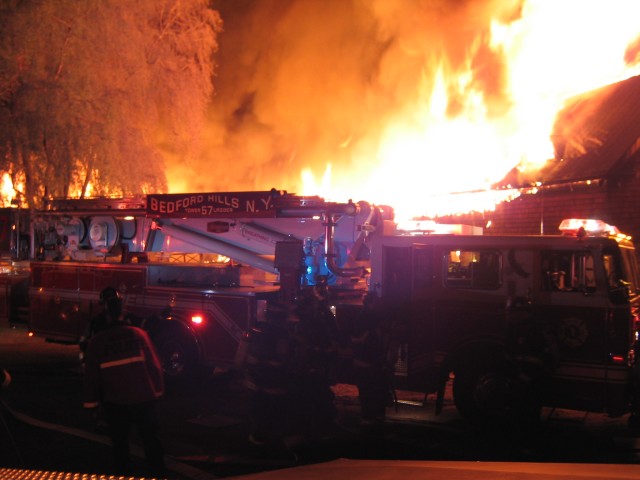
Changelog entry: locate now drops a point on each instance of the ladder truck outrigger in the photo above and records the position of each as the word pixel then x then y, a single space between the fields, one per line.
pixel 515 323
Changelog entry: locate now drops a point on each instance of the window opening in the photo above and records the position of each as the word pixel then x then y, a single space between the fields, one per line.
pixel 473 269
pixel 568 271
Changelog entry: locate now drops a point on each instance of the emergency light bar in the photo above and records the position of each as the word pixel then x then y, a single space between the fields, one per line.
pixel 428 227
pixel 590 227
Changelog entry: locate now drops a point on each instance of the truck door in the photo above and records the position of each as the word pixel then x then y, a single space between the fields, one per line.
pixel 572 305
pixel 621 274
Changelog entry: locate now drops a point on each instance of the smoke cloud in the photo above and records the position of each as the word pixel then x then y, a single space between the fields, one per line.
pixel 306 83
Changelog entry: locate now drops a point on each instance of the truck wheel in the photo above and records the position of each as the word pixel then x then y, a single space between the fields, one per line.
pixel 493 393
pixel 178 354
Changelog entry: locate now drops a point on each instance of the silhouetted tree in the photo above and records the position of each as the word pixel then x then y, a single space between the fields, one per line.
pixel 100 92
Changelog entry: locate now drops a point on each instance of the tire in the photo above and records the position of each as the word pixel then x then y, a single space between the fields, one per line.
pixel 178 352
pixel 494 393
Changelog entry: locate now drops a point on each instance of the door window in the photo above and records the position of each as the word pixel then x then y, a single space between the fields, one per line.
pixel 567 271
pixel 473 269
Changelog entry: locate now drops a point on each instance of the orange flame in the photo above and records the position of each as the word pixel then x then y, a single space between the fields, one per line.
pixel 554 50
pixel 7 193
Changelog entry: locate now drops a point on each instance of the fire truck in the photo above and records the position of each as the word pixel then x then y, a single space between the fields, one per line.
pixel 513 322
pixel 517 322
pixel 196 270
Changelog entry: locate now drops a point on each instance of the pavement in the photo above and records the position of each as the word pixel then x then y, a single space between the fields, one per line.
pixel 44 429
pixel 54 434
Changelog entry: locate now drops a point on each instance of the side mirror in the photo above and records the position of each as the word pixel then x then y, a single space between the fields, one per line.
pixel 620 293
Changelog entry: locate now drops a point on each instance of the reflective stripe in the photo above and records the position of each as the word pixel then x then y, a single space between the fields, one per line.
pixel 124 361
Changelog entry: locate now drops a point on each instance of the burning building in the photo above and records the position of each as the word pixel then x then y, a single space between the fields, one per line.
pixel 594 172
pixel 404 103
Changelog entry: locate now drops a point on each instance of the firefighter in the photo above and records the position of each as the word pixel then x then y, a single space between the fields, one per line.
pixel 289 371
pixel 99 321
pixel 123 375
pixel 316 342
pixel 269 376
pixel 370 366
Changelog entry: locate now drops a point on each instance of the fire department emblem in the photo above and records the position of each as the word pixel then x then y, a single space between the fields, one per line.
pixel 572 332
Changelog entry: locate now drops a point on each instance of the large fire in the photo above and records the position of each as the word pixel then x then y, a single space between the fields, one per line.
pixel 439 99
pixel 430 162
pixel 419 104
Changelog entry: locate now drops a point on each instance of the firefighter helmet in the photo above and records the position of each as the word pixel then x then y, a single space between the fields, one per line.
pixel 108 293
pixel 113 307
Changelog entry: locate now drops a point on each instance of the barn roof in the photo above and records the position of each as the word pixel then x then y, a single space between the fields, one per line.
pixel 595 137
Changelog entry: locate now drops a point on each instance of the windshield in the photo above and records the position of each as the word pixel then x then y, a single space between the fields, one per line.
pixel 630 269
pixel 621 271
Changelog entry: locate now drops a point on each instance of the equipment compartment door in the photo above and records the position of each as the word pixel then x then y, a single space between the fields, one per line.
pixel 573 307
pixel 54 311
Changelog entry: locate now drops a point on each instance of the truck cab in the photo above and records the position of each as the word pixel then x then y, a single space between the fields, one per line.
pixel 518 322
